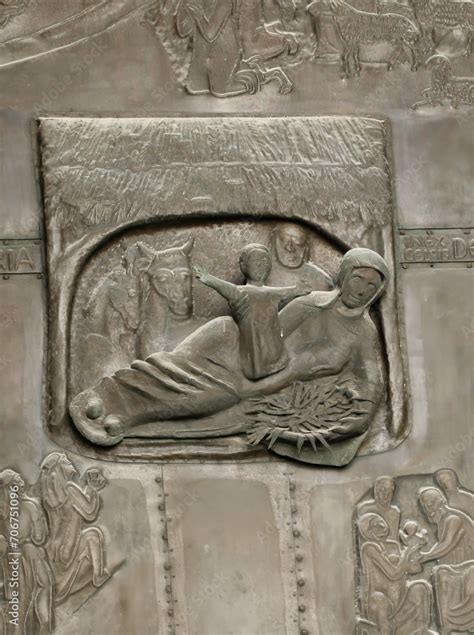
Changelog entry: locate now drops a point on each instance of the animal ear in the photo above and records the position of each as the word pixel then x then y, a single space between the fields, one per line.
pixel 146 250
pixel 188 246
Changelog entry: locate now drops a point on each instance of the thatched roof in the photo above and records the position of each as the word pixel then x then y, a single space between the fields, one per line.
pixel 103 172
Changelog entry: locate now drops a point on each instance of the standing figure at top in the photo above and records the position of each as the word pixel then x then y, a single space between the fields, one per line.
pixel 254 307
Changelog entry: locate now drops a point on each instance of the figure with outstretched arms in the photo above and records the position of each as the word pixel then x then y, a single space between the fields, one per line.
pixel 254 308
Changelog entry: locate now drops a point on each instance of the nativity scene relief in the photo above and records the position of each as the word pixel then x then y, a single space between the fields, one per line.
pixel 415 545
pixel 243 304
pixel 179 342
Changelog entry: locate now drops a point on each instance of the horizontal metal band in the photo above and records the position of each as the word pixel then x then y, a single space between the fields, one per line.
pixel 437 245
pixel 20 256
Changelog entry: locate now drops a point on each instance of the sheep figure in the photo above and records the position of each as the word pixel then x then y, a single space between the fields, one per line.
pixel 362 27
pixel 447 15
pixel 445 86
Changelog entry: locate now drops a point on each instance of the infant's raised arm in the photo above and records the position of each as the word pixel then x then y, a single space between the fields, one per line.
pixel 226 289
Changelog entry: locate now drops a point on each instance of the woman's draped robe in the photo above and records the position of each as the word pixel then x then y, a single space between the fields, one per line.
pixel 202 376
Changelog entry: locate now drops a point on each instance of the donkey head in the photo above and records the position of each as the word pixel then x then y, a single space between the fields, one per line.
pixel 170 275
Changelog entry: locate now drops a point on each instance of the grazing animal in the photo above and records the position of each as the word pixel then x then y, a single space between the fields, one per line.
pixel 445 86
pixel 362 27
pixel 448 15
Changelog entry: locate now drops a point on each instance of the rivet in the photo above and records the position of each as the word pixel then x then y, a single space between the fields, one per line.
pixel 404 265
pixel 302 608
pixel 466 231
pixel 304 631
pixel 301 582
pixel 296 533
pixel 6 277
pixel 429 232
pixel 299 557
pixel 167 566
pixel 158 479
pixel 161 507
pixel 292 486
pixel 168 588
pixel 402 232
pixel 469 265
pixel 293 510
pixel 39 276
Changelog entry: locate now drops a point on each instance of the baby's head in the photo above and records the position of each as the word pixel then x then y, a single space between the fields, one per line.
pixel 255 262
pixel 410 528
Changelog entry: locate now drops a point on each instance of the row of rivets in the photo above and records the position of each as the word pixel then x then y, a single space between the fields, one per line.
pixel 299 557
pixel 430 232
pixel 167 567
pixel 433 264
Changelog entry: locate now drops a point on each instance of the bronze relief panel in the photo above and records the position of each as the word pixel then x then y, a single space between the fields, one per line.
pixel 164 339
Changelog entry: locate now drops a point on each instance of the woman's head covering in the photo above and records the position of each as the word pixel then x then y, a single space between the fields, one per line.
pixel 365 525
pixel 53 480
pixel 8 476
pixel 361 257
pixel 52 460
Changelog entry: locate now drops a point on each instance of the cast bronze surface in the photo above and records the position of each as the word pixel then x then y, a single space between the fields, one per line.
pixel 144 143
pixel 415 542
pixel 123 300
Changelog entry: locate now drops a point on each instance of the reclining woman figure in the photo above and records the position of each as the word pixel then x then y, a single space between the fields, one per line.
pixel 325 334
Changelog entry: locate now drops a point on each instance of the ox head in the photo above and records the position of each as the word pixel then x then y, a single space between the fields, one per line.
pixel 170 275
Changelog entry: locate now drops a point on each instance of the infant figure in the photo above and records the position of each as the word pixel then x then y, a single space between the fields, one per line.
pixel 413 537
pixel 254 307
